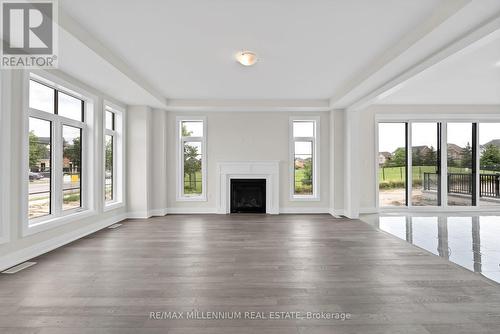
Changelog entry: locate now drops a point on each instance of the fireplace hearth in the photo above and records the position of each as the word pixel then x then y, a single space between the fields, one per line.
pixel 248 196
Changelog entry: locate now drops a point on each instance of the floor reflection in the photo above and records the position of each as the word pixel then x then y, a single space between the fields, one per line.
pixel 471 242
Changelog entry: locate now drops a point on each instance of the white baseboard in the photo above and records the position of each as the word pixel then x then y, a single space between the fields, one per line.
pixel 368 210
pixel 304 210
pixel 147 214
pixel 158 212
pixel 14 258
pixel 214 210
pixel 139 214
pixel 188 211
pixel 336 212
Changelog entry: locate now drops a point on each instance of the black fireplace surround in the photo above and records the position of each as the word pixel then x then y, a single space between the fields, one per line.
pixel 248 195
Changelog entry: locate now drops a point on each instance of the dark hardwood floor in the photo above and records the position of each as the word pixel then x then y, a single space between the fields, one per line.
pixel 110 281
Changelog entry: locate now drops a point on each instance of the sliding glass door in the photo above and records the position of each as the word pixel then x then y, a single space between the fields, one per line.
pixel 461 161
pixel 489 162
pixel 438 163
pixel 392 162
pixel 426 164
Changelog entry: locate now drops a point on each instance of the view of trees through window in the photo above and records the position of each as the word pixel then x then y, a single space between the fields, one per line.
pixel 303 168
pixel 303 157
pixel 40 167
pixel 462 159
pixel 108 170
pixel 392 162
pixel 192 131
pixel 461 164
pixel 109 155
pixel 489 162
pixel 425 151
pixel 72 159
pixel 55 134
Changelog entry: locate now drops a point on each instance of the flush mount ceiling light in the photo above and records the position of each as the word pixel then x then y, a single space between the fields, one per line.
pixel 246 58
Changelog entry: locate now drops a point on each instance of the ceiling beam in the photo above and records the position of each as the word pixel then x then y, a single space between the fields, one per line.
pixel 67 23
pixel 480 35
pixel 442 13
pixel 248 105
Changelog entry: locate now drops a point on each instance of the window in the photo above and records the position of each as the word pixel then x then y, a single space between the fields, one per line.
pixel 392 161
pixel 461 143
pixel 56 131
pixel 489 162
pixel 449 163
pixel 40 167
pixel 4 160
pixel 113 156
pixel 426 164
pixel 191 176
pixel 304 158
pixel 72 176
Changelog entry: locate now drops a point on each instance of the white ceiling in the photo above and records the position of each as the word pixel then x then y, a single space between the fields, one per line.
pixel 99 73
pixel 471 76
pixel 185 48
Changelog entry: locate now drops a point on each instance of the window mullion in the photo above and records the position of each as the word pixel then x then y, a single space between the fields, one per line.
pixel 57 168
pixel 71 122
pixel 41 114
pixel 409 164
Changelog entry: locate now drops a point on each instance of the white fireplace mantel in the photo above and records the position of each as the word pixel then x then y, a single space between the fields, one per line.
pixel 268 170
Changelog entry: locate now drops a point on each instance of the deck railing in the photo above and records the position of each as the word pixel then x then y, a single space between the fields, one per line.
pixel 461 183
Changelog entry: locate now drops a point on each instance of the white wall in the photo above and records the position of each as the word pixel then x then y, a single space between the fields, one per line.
pixel 139 139
pixel 243 136
pixel 20 248
pixel 367 149
pixel 147 162
pixel 159 163
pixel 337 134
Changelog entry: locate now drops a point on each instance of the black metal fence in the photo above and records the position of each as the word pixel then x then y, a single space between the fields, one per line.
pixel 461 183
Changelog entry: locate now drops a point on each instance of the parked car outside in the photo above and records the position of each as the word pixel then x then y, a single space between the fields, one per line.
pixel 34 176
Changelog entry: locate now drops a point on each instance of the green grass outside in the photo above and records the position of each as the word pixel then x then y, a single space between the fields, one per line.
pixel 300 187
pixel 394 177
pixel 195 186
pixel 71 198
pixel 393 174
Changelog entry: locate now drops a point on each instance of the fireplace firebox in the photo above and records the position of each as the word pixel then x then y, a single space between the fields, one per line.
pixel 248 196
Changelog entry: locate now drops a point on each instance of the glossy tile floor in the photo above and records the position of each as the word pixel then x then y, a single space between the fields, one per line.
pixel 472 242
pixel 110 281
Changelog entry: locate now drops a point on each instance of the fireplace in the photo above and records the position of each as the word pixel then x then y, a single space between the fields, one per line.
pixel 248 195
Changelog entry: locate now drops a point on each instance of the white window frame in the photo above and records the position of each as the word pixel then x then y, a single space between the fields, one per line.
pixel 444 119
pixel 316 158
pixel 58 216
pixel 180 196
pixel 118 156
pixel 4 158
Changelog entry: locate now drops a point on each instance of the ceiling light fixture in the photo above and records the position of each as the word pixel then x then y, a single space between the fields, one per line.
pixel 497 64
pixel 246 58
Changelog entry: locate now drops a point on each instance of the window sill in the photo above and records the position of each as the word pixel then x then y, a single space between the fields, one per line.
pixel 54 222
pixel 305 199
pixel 192 199
pixel 113 206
